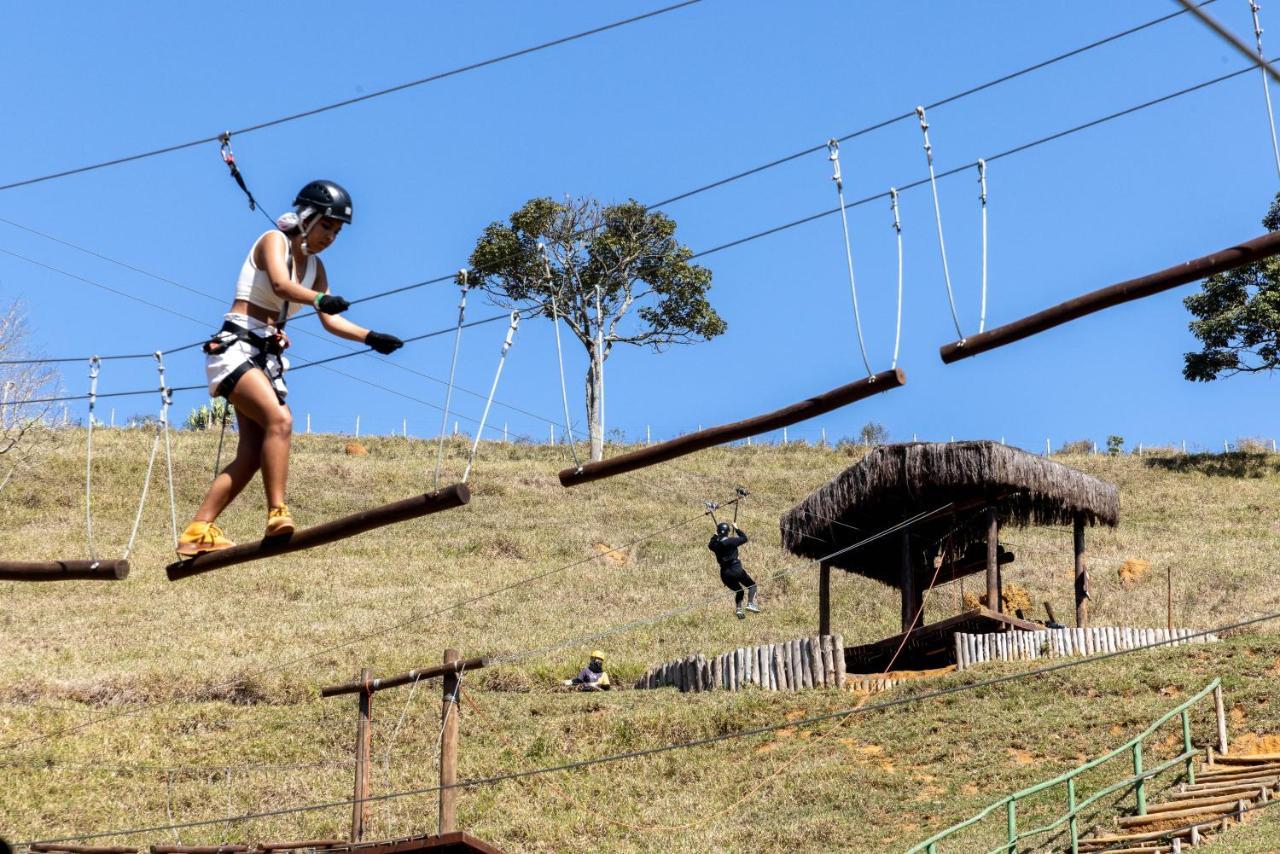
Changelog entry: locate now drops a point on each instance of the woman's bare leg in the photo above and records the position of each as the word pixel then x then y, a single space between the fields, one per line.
pixel 259 416
pixel 256 399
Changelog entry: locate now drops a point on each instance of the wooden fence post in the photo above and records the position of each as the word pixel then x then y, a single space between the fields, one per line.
pixel 1082 574
pixel 1220 714
pixel 360 806
pixel 993 563
pixel 449 747
pixel 824 599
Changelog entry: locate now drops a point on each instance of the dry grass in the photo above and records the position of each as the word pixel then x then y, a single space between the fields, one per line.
pixel 229 663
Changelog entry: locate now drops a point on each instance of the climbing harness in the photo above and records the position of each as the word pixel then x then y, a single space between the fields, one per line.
pixel 555 322
pixel 448 395
pixel 833 154
pixel 95 366
pixel 937 213
pixel 488 404
pixel 1266 84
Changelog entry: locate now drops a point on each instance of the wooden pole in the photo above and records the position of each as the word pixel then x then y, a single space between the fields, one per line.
pixel 1082 574
pixel 449 748
pixel 993 560
pixel 824 599
pixel 348 526
pixel 907 580
pixel 712 436
pixel 432 672
pixel 1145 286
pixel 1220 715
pixel 1168 590
pixel 63 570
pixel 360 806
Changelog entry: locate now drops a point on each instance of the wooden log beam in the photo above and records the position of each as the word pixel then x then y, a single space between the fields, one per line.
pixel 712 436
pixel 450 701
pixel 993 561
pixel 955 570
pixel 432 672
pixel 1133 289
pixel 360 794
pixel 82 849
pixel 63 570
pixel 339 529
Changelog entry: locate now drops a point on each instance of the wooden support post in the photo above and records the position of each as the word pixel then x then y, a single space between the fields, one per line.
pixel 1168 589
pixel 360 806
pixel 305 538
pixel 63 570
pixel 993 561
pixel 449 748
pixel 1220 714
pixel 712 436
pixel 1082 575
pixel 1184 273
pixel 824 599
pixel 911 596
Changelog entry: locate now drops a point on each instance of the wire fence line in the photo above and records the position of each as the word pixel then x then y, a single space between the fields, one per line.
pixel 642 753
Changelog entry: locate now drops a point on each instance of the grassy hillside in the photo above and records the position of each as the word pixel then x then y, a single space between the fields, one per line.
pixel 229 664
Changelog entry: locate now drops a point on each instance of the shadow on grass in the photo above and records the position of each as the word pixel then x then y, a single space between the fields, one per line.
pixel 1237 464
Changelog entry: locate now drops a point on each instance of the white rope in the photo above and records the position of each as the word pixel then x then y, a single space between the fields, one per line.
pixel 95 365
pixel 833 149
pixel 937 215
pixel 488 404
pixel 448 395
pixel 166 398
pixel 982 198
pixel 1266 84
pixel 564 391
pixel 142 502
pixel 897 228
pixel 391 741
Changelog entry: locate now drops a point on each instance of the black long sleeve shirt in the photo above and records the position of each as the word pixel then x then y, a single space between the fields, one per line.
pixel 726 549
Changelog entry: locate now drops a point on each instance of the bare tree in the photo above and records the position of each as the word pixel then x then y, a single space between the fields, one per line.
pixel 617 275
pixel 23 424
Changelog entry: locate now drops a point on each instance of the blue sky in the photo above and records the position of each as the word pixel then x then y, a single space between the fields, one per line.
pixel 649 111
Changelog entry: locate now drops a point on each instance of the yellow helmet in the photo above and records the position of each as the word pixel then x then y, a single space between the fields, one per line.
pixel 597 654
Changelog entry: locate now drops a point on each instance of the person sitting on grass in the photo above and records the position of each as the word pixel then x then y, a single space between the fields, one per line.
pixel 732 575
pixel 592 677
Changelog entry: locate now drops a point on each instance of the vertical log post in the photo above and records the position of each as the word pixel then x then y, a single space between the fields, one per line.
pixel 824 599
pixel 360 806
pixel 1220 714
pixel 1082 575
pixel 993 563
pixel 449 748
pixel 911 597
pixel 1168 589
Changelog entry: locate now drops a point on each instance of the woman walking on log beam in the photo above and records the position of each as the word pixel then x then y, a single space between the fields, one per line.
pixel 245 359
pixel 732 575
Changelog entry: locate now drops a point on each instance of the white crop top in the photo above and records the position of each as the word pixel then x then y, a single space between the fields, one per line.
pixel 254 285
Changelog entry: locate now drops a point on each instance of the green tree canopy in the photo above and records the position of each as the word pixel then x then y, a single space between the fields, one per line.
pixel 616 274
pixel 1237 318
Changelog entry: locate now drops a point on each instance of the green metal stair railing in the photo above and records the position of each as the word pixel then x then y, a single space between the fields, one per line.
pixel 1070 818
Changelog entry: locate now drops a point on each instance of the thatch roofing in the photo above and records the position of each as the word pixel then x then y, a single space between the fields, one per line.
pixel 896 482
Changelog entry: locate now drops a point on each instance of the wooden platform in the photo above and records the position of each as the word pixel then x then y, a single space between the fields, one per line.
pixel 928 646
pixel 457 842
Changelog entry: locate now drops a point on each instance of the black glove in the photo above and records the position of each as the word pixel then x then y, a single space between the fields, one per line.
pixel 328 304
pixel 383 343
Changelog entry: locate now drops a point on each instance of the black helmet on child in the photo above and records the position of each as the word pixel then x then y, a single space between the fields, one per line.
pixel 722 530
pixel 327 198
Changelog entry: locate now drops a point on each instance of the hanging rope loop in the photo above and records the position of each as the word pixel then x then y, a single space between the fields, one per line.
pixel 95 367
pixel 564 391
pixel 937 215
pixel 488 404
pixel 166 400
pixel 897 228
pixel 982 199
pixel 453 367
pixel 833 149
pixel 1266 83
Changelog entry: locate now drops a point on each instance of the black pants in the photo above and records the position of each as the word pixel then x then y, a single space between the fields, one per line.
pixel 736 579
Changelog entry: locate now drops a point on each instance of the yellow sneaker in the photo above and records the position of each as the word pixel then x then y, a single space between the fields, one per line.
pixel 279 522
pixel 201 537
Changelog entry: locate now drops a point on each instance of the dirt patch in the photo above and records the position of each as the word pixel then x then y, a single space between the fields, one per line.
pixel 1021 757
pixel 1236 715
pixel 609 554
pixel 1132 572
pixel 355 449
pixel 1014 596
pixel 1251 742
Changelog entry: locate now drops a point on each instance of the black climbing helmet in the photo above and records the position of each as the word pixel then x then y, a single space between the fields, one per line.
pixel 722 530
pixel 327 198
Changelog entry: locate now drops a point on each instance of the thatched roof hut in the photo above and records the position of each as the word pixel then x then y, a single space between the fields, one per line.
pixel 952 483
pixel 926 513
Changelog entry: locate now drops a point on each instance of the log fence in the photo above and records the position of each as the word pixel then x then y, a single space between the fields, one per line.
pixel 794 665
pixel 974 649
